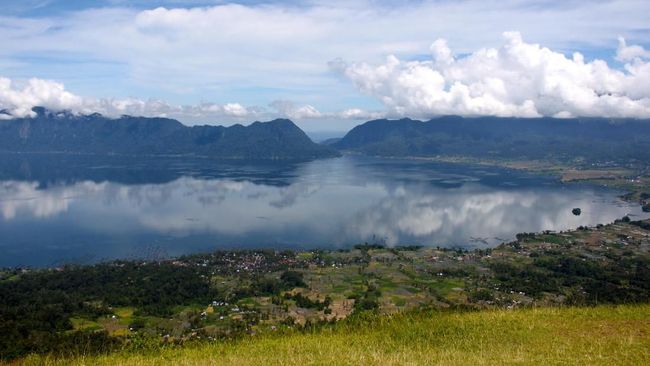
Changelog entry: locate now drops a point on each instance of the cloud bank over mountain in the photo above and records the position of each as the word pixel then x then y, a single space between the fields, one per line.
pixel 517 79
pixel 198 57
pixel 18 98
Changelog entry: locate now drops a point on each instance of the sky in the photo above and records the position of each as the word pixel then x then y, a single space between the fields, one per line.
pixel 327 65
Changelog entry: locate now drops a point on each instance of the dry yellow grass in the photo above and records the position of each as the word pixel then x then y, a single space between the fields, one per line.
pixel 605 335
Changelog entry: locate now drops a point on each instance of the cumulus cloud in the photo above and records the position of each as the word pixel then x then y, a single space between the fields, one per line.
pixel 360 114
pixel 270 49
pixel 517 79
pixel 18 98
pixel 630 53
pixel 290 110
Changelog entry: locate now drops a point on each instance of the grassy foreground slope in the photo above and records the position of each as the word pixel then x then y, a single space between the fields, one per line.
pixel 602 335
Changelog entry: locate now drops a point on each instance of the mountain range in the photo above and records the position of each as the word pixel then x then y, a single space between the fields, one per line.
pixel 590 139
pixel 596 139
pixel 63 132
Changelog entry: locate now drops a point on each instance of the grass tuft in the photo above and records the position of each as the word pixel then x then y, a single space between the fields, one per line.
pixel 602 335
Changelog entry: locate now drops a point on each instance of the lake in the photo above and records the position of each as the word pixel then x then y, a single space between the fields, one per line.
pixel 57 209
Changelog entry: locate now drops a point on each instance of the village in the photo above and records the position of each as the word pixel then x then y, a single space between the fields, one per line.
pixel 233 293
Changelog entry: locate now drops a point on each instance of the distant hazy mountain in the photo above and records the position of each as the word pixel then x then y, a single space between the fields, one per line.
pixel 530 138
pixel 331 141
pixel 94 134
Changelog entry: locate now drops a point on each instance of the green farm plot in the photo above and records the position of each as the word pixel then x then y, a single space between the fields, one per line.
pixel 216 298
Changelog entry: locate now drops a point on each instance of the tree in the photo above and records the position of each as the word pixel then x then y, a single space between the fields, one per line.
pixel 292 279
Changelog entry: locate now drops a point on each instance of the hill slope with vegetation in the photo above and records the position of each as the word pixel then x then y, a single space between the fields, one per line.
pixel 229 295
pixel 604 335
pixel 61 132
pixel 592 139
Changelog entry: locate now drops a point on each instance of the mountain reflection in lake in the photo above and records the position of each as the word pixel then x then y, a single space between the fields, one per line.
pixel 84 211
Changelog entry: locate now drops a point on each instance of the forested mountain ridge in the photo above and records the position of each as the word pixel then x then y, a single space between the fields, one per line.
pixel 531 138
pixel 591 139
pixel 63 132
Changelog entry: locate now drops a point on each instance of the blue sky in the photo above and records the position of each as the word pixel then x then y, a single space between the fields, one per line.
pixel 54 7
pixel 322 63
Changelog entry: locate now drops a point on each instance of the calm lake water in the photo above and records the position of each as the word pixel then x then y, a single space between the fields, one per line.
pixel 65 209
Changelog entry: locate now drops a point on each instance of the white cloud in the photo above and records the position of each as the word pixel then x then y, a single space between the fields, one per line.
pixel 274 51
pixel 517 79
pixel 630 53
pixel 290 110
pixel 235 110
pixel 360 114
pixel 18 98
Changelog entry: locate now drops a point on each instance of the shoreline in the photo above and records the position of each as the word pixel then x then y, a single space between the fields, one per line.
pixel 232 295
pixel 609 176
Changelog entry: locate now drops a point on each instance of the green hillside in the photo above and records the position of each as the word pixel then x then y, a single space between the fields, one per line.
pixel 604 335
pixel 67 133
pixel 192 301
